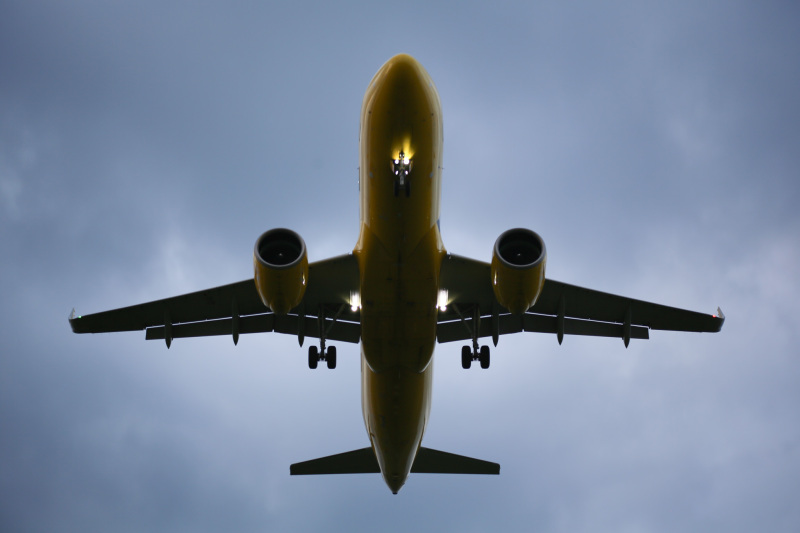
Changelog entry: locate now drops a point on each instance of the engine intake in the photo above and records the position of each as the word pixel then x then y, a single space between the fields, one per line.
pixel 281 269
pixel 518 263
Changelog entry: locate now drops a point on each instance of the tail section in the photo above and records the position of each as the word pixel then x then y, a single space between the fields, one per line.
pixel 363 461
pixel 430 461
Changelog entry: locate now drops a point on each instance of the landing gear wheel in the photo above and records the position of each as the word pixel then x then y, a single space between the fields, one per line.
pixel 484 357
pixel 466 357
pixel 313 357
pixel 331 357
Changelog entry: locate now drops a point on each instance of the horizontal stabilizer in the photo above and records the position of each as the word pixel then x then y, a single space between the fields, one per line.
pixel 430 461
pixel 361 461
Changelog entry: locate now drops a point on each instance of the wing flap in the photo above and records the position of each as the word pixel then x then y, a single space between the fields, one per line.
pixel 458 330
pixel 338 330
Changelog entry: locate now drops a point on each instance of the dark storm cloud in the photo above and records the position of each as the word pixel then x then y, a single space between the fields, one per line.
pixel 143 148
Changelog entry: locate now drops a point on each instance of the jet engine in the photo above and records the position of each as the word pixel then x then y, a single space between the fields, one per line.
pixel 281 269
pixel 518 263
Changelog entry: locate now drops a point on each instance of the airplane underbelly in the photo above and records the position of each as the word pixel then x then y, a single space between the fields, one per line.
pixel 399 252
pixel 398 333
pixel 398 304
pixel 396 406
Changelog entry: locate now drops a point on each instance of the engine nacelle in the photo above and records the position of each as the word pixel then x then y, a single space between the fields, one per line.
pixel 518 263
pixel 281 269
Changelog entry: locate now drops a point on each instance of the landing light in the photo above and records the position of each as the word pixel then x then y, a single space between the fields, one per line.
pixel 355 301
pixel 401 164
pixel 441 301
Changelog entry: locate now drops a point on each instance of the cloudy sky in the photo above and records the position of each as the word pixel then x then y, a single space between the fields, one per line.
pixel 655 146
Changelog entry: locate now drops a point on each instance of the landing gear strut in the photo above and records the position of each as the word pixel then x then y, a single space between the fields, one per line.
pixel 474 353
pixel 315 354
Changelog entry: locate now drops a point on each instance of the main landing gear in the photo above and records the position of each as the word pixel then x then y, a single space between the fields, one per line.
pixel 468 355
pixel 314 357
pixel 473 353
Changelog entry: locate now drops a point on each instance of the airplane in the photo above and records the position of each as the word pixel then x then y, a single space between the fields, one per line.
pixel 399 292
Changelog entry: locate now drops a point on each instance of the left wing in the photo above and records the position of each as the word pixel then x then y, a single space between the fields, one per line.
pixel 236 308
pixel 562 309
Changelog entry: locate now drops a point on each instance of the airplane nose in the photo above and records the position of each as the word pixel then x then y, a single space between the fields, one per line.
pixel 403 65
pixel 401 73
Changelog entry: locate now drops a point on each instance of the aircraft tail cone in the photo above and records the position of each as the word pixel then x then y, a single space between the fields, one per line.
pixel 395 482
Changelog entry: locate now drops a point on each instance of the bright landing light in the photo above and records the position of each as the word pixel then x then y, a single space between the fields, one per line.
pixel 355 301
pixel 441 301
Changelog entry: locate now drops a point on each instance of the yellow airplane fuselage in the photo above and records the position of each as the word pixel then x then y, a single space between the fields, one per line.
pixel 399 253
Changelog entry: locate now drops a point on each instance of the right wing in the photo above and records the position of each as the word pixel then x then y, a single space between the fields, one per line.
pixel 236 308
pixel 562 309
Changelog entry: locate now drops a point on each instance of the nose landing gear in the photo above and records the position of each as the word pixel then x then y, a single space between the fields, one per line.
pixel 401 168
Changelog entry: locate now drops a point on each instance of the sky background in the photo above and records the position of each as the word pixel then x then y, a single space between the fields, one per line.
pixel 144 146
